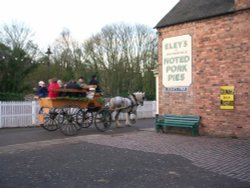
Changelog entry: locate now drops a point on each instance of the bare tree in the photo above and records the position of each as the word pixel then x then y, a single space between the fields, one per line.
pixel 67 56
pixel 18 60
pixel 18 35
pixel 121 54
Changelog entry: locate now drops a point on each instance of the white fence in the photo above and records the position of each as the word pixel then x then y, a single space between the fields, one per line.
pixel 24 113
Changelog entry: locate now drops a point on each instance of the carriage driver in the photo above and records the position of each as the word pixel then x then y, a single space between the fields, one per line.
pixel 94 81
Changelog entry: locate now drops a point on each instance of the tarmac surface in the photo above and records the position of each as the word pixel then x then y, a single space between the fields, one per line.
pixel 126 157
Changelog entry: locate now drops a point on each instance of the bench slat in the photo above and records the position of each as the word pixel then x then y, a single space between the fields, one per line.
pixel 181 122
pixel 179 125
pixel 184 118
pixel 179 119
pixel 180 116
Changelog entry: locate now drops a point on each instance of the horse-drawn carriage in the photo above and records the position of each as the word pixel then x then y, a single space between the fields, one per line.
pixel 70 114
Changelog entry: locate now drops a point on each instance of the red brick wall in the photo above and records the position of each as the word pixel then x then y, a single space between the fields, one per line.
pixel 221 56
pixel 242 4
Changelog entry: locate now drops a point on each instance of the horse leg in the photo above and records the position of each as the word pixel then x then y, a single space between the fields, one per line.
pixel 128 123
pixel 117 123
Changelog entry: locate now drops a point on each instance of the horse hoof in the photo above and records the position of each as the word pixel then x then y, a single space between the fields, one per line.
pixel 118 126
pixel 127 125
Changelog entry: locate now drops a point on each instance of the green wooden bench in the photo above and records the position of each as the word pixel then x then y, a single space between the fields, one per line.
pixel 169 120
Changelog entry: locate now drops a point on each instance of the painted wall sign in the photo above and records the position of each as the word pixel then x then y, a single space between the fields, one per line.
pixel 177 61
pixel 177 89
pixel 227 97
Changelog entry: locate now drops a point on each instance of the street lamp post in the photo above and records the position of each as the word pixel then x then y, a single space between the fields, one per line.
pixel 48 53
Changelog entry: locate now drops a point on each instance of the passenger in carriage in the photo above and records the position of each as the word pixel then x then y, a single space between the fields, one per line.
pixel 61 85
pixel 53 85
pixel 50 81
pixel 73 85
pixel 81 82
pixel 41 90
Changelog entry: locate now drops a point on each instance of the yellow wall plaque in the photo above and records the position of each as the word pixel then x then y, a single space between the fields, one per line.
pixel 227 97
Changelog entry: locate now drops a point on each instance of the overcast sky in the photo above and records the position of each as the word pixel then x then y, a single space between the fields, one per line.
pixel 47 18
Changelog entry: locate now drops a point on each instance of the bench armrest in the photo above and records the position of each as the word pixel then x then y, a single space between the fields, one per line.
pixel 159 118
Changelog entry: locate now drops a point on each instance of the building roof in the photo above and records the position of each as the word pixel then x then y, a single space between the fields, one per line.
pixel 190 10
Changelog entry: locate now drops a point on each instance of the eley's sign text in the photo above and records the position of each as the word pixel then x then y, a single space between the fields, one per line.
pixel 177 61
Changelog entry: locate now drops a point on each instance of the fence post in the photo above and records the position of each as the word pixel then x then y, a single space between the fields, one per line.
pixel 154 108
pixel 33 105
pixel 0 114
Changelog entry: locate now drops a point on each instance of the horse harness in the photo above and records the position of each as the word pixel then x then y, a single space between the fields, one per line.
pixel 134 97
pixel 134 103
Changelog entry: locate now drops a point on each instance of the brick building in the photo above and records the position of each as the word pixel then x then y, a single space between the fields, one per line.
pixel 204 64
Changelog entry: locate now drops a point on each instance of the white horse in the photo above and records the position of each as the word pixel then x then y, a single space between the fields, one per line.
pixel 126 105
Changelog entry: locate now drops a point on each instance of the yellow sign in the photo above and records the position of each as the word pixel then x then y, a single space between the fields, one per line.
pixel 227 90
pixel 227 97
pixel 224 107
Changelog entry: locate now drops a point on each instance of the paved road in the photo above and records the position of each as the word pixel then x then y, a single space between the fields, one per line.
pixel 126 157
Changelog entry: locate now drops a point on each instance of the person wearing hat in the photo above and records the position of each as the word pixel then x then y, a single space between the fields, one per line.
pixel 41 90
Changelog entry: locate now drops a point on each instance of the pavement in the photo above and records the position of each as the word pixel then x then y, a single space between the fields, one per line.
pixel 126 157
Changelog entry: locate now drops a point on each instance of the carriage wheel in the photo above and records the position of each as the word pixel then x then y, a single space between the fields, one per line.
pixel 70 117
pixel 85 118
pixel 88 119
pixel 103 119
pixel 49 118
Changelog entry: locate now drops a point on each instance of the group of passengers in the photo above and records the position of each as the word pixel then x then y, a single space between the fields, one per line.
pixel 49 91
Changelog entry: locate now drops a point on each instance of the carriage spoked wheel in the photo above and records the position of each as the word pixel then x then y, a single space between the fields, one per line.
pixel 71 117
pixel 103 119
pixel 88 119
pixel 48 118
